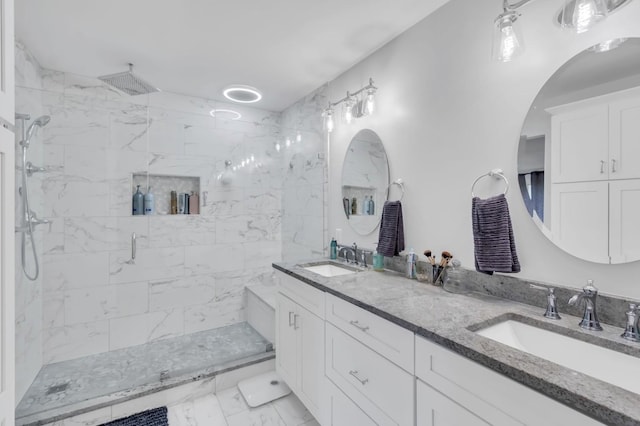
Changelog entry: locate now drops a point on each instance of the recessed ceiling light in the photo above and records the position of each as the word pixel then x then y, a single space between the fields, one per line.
pixel 225 113
pixel 242 94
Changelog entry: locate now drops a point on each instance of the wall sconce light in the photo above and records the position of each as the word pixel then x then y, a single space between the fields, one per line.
pixel 356 104
pixel 576 15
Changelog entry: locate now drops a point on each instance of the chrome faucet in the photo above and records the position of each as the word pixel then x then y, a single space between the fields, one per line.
pixel 631 331
pixel 590 316
pixel 348 250
pixel 552 311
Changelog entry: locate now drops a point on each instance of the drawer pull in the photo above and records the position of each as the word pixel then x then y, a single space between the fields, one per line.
pixel 291 320
pixel 356 324
pixel 354 373
pixel 295 321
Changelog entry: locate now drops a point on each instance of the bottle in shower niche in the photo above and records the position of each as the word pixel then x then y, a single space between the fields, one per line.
pixel 194 203
pixel 149 202
pixel 174 202
pixel 354 206
pixel 137 202
pixel 372 205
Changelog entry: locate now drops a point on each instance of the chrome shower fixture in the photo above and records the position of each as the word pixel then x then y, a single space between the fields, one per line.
pixel 129 83
pixel 31 131
pixel 355 104
pixel 576 15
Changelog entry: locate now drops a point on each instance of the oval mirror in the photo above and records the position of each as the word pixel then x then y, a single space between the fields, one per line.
pixel 579 154
pixel 365 181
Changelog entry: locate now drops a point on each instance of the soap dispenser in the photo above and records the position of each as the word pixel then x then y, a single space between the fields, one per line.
pixel 149 202
pixel 378 261
pixel 138 202
pixel 333 252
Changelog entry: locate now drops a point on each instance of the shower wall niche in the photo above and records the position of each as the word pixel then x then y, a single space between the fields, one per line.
pixel 162 185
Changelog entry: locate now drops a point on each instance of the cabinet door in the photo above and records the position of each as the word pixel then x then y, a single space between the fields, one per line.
pixel 286 344
pixel 435 409
pixel 624 139
pixel 341 411
pixel 580 219
pixel 310 334
pixel 624 220
pixel 579 145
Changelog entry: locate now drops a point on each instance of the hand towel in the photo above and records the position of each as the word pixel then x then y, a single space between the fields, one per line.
pixel 494 245
pixel 391 236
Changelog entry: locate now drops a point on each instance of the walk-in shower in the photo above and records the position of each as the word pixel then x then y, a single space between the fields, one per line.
pixel 29 217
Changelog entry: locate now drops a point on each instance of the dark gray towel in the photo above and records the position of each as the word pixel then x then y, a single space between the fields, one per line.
pixel 153 417
pixel 391 237
pixel 495 247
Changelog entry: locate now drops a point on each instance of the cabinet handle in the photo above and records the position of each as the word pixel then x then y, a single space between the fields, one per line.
pixel 354 373
pixel 613 166
pixel 357 325
pixel 295 321
pixel 291 320
pixel 601 166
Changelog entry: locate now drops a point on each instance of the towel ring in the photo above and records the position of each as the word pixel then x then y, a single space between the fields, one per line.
pixel 495 173
pixel 400 183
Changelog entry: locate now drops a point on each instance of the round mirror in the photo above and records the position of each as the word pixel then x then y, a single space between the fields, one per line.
pixel 365 181
pixel 579 154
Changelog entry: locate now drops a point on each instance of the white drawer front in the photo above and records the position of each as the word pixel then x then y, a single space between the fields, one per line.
pixel 369 379
pixel 302 293
pixel 435 409
pixel 470 384
pixel 386 338
pixel 341 411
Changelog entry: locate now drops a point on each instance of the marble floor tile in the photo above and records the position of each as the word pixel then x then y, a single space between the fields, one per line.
pixel 199 412
pixel 291 410
pixel 231 401
pixel 265 415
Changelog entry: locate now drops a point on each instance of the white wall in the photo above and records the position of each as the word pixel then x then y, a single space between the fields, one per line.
pixel 447 114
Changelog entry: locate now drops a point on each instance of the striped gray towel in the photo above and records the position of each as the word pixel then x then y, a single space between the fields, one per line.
pixel 495 247
pixel 391 236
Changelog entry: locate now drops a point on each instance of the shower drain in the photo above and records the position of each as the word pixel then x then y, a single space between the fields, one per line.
pixel 57 388
pixel 274 383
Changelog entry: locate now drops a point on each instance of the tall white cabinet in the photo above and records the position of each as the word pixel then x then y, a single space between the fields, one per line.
pixel 595 177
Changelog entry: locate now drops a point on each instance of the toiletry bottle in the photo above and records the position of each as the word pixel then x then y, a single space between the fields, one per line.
pixel 174 202
pixel 411 264
pixel 333 249
pixel 194 203
pixel 372 206
pixel 354 206
pixel 149 202
pixel 365 208
pixel 138 202
pixel 378 261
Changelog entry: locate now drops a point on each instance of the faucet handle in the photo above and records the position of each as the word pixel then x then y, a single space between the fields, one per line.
pixel 631 331
pixel 589 289
pixel 551 311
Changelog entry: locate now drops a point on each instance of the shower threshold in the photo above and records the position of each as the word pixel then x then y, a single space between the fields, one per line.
pixel 73 387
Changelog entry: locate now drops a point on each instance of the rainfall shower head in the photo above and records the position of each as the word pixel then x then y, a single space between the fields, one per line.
pixel 31 131
pixel 129 83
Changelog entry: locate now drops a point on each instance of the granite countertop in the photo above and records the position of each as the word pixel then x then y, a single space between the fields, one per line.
pixel 448 319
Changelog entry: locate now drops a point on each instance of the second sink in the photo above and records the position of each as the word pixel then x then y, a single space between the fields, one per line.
pixel 329 269
pixel 613 367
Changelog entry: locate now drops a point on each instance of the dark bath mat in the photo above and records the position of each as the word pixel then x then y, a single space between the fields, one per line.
pixel 153 417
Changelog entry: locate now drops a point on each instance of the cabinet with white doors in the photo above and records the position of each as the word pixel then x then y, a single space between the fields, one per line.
pixel 596 139
pixel 300 341
pixel 453 390
pixel 597 221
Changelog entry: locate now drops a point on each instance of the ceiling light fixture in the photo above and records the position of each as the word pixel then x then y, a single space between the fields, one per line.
pixel 356 104
pixel 576 15
pixel 225 113
pixel 242 94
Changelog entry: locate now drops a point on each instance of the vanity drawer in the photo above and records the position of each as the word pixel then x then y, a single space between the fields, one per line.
pixel 382 389
pixel 384 337
pixel 478 388
pixel 341 411
pixel 302 293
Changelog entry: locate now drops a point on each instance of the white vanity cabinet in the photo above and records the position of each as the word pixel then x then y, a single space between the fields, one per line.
pixel 300 341
pixel 370 360
pixel 453 390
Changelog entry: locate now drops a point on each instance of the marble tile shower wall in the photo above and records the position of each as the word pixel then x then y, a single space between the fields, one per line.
pixel 28 293
pixel 190 271
pixel 304 226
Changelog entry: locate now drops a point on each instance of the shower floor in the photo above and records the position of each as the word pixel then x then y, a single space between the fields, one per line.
pixel 83 384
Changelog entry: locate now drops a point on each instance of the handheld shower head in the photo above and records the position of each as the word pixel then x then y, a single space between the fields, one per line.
pixel 31 131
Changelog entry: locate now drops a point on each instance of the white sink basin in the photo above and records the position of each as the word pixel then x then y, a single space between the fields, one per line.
pixel 330 270
pixel 610 366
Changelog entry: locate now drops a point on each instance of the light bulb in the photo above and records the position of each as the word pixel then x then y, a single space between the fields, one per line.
pixel 587 13
pixel 506 43
pixel 329 121
pixel 349 103
pixel 298 136
pixel 278 147
pixel 242 164
pixel 252 158
pixel 371 101
pixel 288 142
pixel 235 168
